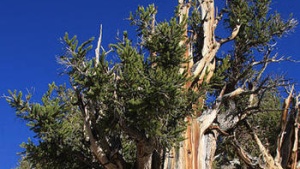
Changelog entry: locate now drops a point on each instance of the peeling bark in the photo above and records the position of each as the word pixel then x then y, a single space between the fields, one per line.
pixel 191 154
pixel 183 14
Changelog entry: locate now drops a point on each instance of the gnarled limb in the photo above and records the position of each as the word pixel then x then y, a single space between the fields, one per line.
pixel 244 155
pixel 96 149
pixel 283 124
pixel 268 161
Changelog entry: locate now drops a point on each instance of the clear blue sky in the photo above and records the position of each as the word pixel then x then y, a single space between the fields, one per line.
pixel 30 33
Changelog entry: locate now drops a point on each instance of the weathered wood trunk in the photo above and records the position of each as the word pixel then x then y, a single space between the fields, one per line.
pixel 199 147
pixel 287 143
pixel 197 151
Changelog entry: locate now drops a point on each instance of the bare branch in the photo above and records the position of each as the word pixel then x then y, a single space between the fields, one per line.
pixel 269 60
pixel 216 127
pixel 97 150
pixel 234 33
pixel 268 160
pixel 97 50
pixel 235 93
pixel 245 156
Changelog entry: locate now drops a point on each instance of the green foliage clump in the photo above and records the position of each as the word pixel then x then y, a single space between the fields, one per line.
pixel 57 125
pixel 137 100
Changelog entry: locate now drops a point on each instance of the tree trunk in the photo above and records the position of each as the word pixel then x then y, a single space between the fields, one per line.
pixel 197 151
pixel 144 155
pixel 157 158
pixel 198 148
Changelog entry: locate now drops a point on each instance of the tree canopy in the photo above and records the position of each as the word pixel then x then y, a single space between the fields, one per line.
pixel 172 100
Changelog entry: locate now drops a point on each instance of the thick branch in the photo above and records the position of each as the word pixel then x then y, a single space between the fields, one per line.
pixel 284 118
pixel 268 160
pixel 245 156
pixel 131 131
pixel 145 146
pixel 208 116
pixel 95 148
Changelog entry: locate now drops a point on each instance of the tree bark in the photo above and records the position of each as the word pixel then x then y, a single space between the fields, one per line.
pixel 144 155
pixel 198 149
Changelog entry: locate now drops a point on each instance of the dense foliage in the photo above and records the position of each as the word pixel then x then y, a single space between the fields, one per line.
pixel 138 99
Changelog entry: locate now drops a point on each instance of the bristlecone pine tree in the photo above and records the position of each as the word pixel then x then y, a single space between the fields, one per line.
pixel 175 99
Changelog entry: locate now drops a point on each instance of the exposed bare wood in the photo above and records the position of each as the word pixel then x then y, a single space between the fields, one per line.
pixel 95 148
pixel 204 67
pixel 294 154
pixel 207 142
pixel 245 156
pixel 199 143
pixel 234 93
pixel 268 161
pixel 287 143
pixel 145 146
pixel 215 127
pixel 97 50
pixel 210 45
pixel 284 118
pixel 184 8
pixel 186 152
pixel 234 33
